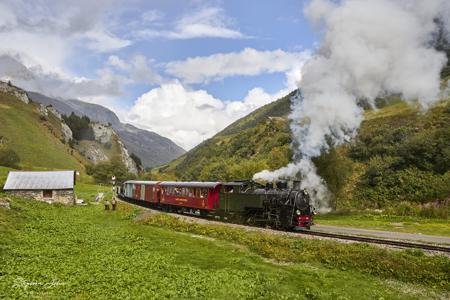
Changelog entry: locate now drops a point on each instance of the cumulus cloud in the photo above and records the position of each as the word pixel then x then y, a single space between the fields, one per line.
pixel 248 62
pixel 39 37
pixel 190 116
pixel 206 22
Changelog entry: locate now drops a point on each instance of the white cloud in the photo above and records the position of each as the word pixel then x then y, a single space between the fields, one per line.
pixel 54 84
pixel 248 62
pixel 151 16
pixel 207 22
pixel 40 37
pixel 138 68
pixel 190 116
pixel 100 40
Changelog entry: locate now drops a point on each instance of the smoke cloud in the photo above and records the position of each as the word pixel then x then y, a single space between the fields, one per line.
pixel 369 49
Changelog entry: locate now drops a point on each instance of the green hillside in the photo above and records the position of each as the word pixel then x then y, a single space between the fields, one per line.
pixel 258 141
pixel 400 154
pixel 36 141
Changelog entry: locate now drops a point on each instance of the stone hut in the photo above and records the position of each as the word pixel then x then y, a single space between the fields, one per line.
pixel 48 186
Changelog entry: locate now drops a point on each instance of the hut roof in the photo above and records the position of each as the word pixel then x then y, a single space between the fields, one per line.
pixel 40 180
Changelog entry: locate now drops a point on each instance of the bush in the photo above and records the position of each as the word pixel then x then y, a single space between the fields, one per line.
pixel 440 209
pixel 103 171
pixel 381 185
pixel 137 161
pixel 80 127
pixel 9 158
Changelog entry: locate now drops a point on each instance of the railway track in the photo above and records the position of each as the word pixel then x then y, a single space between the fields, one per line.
pixel 362 239
pixel 371 240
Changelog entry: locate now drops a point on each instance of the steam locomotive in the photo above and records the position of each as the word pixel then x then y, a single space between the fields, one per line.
pixel 281 206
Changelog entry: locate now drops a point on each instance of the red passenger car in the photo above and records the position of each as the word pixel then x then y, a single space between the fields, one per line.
pixel 147 191
pixel 197 195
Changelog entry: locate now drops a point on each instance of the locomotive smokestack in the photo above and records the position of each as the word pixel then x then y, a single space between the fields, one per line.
pixel 269 185
pixel 281 185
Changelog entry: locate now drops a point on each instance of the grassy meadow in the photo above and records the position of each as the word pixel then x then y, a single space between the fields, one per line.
pixel 84 252
pixel 34 140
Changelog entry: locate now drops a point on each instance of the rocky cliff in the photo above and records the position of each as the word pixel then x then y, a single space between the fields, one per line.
pixel 149 146
pixel 17 92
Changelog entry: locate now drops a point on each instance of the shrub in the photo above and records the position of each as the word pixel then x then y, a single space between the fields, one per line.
pixel 137 161
pixel 103 171
pixel 79 126
pixel 385 185
pixel 9 158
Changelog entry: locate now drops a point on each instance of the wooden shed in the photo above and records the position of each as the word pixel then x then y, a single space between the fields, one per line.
pixel 48 186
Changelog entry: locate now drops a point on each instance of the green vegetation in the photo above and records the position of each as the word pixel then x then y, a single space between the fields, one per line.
pixel 8 157
pixel 399 161
pixel 249 145
pixel 3 174
pixel 85 252
pixel 406 156
pixel 36 142
pixel 88 192
pixel 408 266
pixel 79 126
pixel 103 171
pixel 137 161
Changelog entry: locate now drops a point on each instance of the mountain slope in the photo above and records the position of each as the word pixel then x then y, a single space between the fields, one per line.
pixel 34 140
pixel 243 147
pixel 400 154
pixel 150 147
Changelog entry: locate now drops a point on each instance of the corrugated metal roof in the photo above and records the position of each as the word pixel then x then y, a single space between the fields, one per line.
pixel 40 180
pixel 200 184
pixel 142 182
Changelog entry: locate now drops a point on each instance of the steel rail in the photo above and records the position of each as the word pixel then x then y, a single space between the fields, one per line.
pixel 371 240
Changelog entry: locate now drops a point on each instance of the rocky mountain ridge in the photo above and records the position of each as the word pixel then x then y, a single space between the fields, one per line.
pixel 104 145
pixel 149 146
pixel 96 151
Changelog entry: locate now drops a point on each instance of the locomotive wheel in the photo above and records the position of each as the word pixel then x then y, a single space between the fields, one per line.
pixel 251 220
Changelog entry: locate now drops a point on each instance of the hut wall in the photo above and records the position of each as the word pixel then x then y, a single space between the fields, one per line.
pixel 58 196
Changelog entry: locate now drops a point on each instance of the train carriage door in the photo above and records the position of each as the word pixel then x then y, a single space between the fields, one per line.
pixel 129 190
pixel 142 196
pixel 148 193
pixel 137 191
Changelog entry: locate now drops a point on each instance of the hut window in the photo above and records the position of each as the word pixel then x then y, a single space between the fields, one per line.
pixel 47 193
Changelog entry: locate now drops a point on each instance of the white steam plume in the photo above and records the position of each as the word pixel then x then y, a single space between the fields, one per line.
pixel 369 49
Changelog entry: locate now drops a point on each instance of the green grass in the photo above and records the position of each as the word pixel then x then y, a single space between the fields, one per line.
pixel 31 139
pixel 407 224
pixel 52 251
pixel 88 192
pixel 3 174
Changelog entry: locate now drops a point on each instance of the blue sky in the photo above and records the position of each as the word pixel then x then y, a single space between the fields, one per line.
pixel 212 61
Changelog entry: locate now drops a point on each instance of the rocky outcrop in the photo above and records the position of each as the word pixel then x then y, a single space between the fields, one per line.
pixel 151 148
pixel 102 133
pixel 17 92
pixel 52 110
pixel 105 134
pixel 43 111
pixel 127 160
pixel 66 132
pixel 95 154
